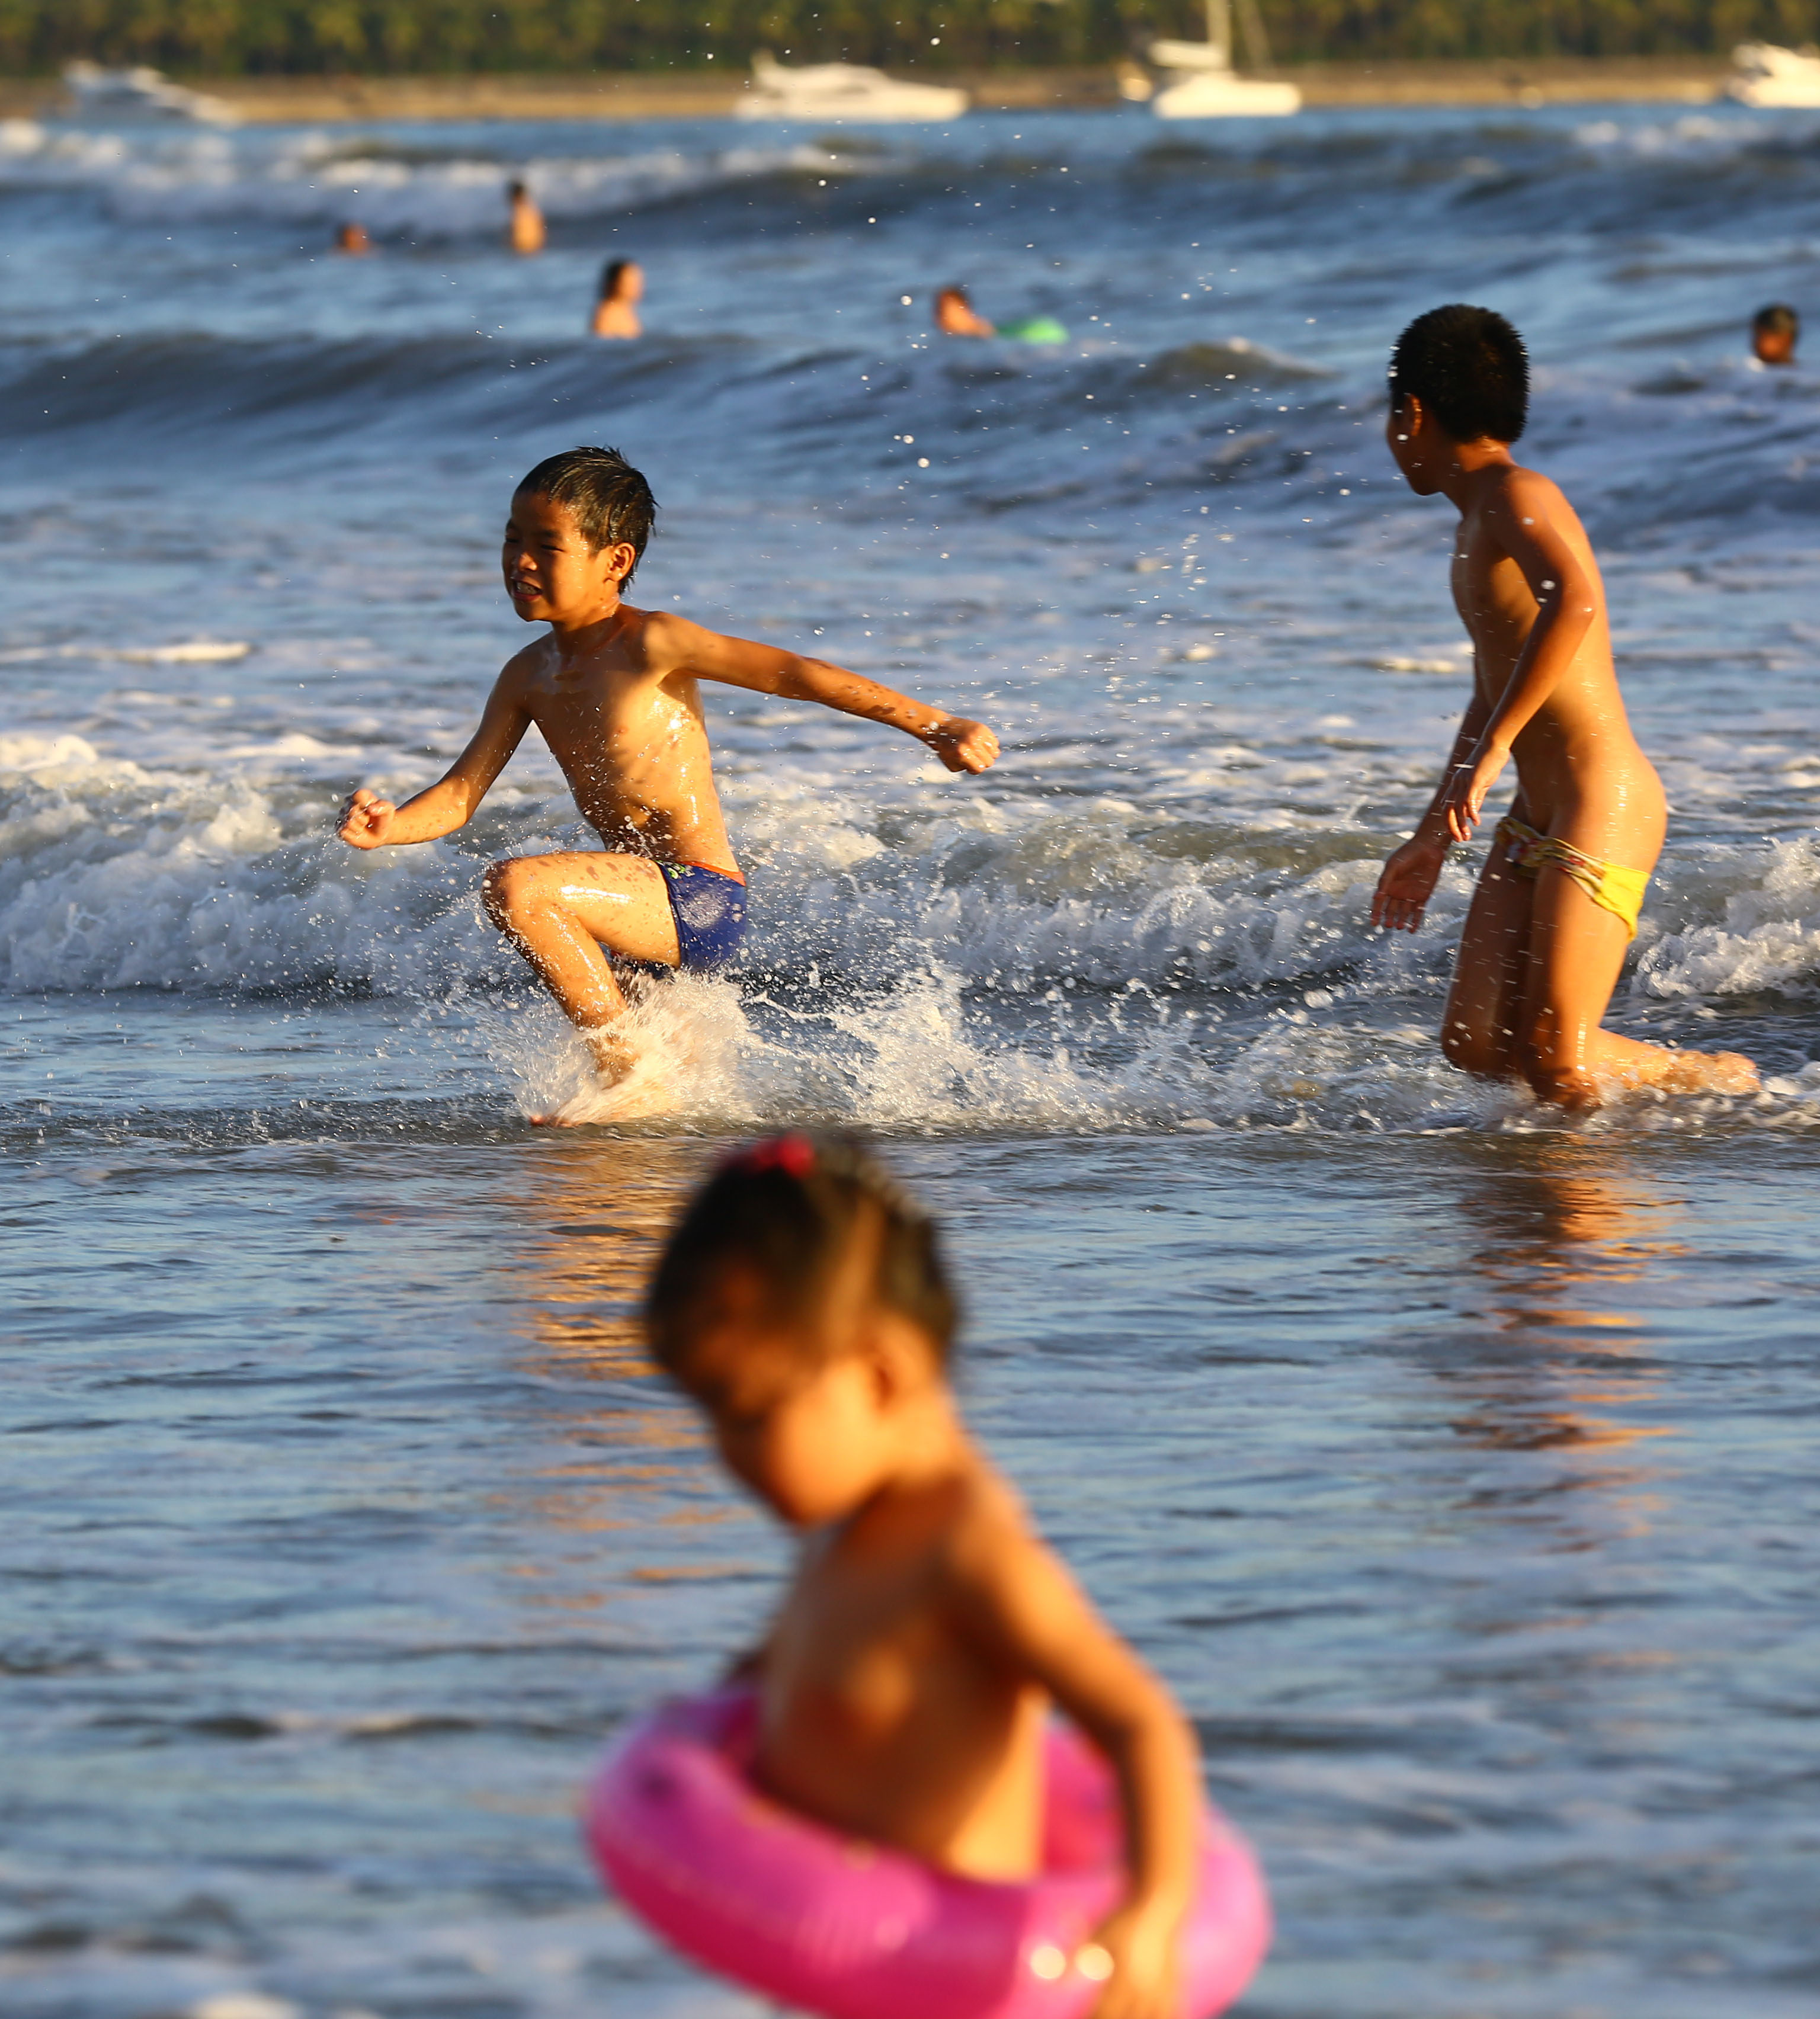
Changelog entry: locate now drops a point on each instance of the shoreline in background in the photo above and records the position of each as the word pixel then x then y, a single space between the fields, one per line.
pixel 702 94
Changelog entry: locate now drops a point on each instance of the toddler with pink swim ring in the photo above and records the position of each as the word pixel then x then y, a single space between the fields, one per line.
pixel 881 1819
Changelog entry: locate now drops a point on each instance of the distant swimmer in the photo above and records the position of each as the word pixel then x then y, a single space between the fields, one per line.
pixel 956 316
pixel 622 290
pixel 1775 331
pixel 614 691
pixel 353 238
pixel 525 231
pixel 1558 901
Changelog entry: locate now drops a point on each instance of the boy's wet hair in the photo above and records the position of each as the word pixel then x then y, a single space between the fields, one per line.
pixel 1468 367
pixel 610 275
pixel 790 1211
pixel 1778 319
pixel 610 500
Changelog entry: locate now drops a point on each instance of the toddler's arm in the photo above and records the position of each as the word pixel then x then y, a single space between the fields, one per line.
pixel 673 644
pixel 368 822
pixel 1013 1597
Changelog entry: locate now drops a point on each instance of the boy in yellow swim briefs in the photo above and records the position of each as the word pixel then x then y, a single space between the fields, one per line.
pixel 1558 901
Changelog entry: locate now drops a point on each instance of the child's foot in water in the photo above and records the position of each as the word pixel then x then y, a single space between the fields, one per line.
pixel 1712 1072
pixel 1679 1072
pixel 624 1083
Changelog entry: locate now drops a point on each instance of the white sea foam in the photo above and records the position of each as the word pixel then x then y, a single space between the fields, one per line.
pixel 117 875
pixel 315 178
pixel 1695 134
pixel 1767 938
pixel 185 652
pixel 1008 964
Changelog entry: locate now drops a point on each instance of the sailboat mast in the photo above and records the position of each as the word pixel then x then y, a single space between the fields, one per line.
pixel 1219 30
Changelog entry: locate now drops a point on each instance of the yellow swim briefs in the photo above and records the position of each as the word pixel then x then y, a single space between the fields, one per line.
pixel 1610 885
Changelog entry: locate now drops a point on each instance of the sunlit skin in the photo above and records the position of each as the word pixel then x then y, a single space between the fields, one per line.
pixel 1772 345
pixel 954 315
pixel 1538 959
pixel 616 314
pixel 525 232
pixel 614 691
pixel 904 1681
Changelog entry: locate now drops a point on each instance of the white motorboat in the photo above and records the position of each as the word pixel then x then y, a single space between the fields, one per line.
pixel 1769 76
pixel 1201 83
pixel 140 92
pixel 830 93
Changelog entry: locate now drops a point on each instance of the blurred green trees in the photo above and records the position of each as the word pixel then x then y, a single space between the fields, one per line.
pixel 223 37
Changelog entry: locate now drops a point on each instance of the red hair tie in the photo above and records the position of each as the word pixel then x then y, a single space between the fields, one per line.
pixel 794 1154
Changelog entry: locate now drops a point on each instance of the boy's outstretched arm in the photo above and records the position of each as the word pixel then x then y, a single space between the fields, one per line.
pixel 673 644
pixel 368 822
pixel 1568 597
pixel 1016 1600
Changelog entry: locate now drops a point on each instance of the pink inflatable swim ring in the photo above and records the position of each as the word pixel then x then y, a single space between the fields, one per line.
pixel 850 1930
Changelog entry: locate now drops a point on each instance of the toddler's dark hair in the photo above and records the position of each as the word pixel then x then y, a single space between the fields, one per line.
pixel 1469 367
pixel 609 499
pixel 1778 319
pixel 790 1210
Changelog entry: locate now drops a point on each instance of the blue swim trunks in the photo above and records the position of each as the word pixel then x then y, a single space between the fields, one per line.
pixel 709 908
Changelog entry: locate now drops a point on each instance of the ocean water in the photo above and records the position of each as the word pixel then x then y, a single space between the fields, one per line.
pixel 1452 1462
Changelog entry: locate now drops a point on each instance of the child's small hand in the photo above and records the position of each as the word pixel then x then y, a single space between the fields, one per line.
pixel 1140 1943
pixel 366 819
pixel 1407 884
pixel 963 745
pixel 1467 787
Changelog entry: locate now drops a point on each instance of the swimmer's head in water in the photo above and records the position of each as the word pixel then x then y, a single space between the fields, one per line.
pixel 1470 370
pixel 1775 331
pixel 621 277
pixel 609 500
pixel 808 1233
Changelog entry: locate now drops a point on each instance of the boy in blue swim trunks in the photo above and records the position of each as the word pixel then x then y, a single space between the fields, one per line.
pixel 614 691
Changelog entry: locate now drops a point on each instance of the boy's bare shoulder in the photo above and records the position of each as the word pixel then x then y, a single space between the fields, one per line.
pixel 1520 495
pixel 525 665
pixel 662 641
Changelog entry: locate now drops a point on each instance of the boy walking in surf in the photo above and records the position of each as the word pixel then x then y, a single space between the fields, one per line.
pixel 614 691
pixel 1558 901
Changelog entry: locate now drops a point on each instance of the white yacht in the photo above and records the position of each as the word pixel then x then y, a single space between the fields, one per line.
pixel 1201 82
pixel 838 92
pixel 140 92
pixel 1769 76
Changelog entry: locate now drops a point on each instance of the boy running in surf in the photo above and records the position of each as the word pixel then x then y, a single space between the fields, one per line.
pixel 1557 902
pixel 614 691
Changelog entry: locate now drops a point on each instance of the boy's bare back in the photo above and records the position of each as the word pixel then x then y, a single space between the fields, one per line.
pixel 1517 529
